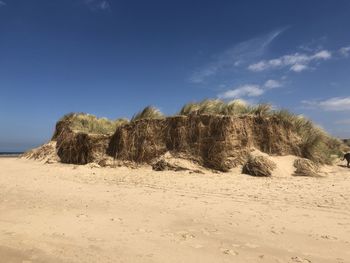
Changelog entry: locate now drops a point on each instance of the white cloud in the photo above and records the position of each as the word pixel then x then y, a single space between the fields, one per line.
pixel 260 66
pixel 295 59
pixel 298 67
pixel 242 91
pixel 2 3
pixel 345 51
pixel 235 56
pixel 250 90
pixel 296 62
pixel 272 84
pixel 332 104
pixel 98 4
pixel 324 54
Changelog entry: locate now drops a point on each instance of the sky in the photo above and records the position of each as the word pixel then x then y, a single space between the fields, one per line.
pixel 113 58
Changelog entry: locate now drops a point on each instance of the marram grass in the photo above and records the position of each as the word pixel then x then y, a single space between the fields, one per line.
pixel 87 123
pixel 149 112
pixel 315 144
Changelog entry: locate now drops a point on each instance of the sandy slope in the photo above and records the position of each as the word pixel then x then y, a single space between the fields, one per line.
pixel 65 213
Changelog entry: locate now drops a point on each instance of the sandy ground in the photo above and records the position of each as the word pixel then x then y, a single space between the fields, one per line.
pixel 66 213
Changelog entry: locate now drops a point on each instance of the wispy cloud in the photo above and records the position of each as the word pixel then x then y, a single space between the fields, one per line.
pixel 272 84
pixel 2 3
pixel 95 5
pixel 239 54
pixel 345 51
pixel 296 62
pixel 250 90
pixel 332 104
pixel 298 67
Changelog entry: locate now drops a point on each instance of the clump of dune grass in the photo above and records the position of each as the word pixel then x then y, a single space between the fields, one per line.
pixel 216 107
pixel 149 112
pixel 203 107
pixel 87 123
pixel 235 107
pixel 259 166
pixel 316 144
pixel 261 110
pixel 306 167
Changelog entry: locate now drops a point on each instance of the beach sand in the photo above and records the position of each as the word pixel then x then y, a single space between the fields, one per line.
pixel 68 213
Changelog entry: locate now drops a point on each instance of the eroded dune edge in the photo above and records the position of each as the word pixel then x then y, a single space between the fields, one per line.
pixel 211 135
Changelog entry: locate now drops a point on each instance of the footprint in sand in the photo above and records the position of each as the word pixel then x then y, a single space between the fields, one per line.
pixel 300 260
pixel 187 236
pixel 183 235
pixel 250 245
pixel 328 237
pixel 82 216
pixel 142 230
pixel 228 251
pixel 276 231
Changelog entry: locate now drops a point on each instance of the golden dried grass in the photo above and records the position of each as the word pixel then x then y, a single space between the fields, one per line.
pixel 259 166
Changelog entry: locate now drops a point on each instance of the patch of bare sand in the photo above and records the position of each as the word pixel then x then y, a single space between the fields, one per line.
pixel 68 213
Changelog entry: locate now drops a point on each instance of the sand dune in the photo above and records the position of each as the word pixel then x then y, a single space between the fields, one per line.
pixel 67 213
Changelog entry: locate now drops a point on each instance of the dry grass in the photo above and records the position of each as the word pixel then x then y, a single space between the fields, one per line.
pixel 261 110
pixel 46 152
pixel 305 167
pixel 149 112
pixel 75 148
pixel 315 145
pixel 259 166
pixel 90 124
pixel 219 107
pixel 82 148
pixel 205 134
pixel 163 165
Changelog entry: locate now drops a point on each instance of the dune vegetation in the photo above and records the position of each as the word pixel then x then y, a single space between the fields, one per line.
pixel 313 142
pixel 219 107
pixel 87 123
pixel 149 112
pixel 316 144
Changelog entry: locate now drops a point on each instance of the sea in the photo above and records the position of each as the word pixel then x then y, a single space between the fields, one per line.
pixel 10 154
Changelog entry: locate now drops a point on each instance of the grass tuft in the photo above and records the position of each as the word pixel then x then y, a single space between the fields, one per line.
pixel 316 144
pixel 259 166
pixel 87 123
pixel 261 110
pixel 215 107
pixel 149 112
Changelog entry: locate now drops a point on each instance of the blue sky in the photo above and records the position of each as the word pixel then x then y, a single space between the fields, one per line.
pixel 112 58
